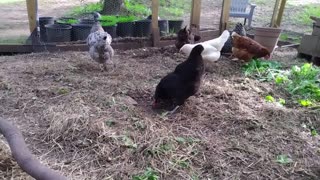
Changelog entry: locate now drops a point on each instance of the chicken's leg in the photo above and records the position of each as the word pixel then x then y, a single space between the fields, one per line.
pixel 174 110
pixel 104 66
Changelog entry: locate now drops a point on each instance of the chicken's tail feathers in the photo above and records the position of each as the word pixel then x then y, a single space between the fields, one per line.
pixel 197 50
pixel 225 36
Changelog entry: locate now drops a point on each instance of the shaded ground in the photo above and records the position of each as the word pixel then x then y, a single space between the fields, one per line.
pixel 99 125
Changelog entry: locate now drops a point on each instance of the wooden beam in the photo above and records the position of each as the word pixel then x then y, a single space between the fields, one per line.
pixel 195 13
pixel 280 13
pixel 275 13
pixel 154 24
pixel 32 14
pixel 224 18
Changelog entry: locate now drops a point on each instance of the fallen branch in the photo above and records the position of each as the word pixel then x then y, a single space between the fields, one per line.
pixel 23 156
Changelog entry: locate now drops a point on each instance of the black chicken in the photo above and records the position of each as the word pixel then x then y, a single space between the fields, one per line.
pixel 239 29
pixel 186 36
pixel 184 82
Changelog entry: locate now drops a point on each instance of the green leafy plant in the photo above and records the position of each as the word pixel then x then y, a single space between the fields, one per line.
pixel 108 20
pixel 123 19
pixel 304 83
pixel 269 98
pixel 262 70
pixel 282 101
pixel 67 21
pixel 314 132
pixel 149 174
pixel 305 102
pixel 284 159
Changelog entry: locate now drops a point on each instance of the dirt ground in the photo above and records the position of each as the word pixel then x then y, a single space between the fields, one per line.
pixel 99 125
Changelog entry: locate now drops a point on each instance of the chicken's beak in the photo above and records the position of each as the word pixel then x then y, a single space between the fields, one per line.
pixel 267 57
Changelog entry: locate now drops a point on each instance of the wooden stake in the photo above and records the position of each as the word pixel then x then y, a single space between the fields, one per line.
pixel 224 15
pixel 275 13
pixel 155 27
pixel 195 13
pixel 32 14
pixel 280 13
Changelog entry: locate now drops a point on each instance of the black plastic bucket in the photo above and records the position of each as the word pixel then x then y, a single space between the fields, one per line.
pixel 58 32
pixel 42 22
pixel 163 27
pixel 80 31
pixel 112 30
pixel 142 28
pixel 125 29
pixel 175 26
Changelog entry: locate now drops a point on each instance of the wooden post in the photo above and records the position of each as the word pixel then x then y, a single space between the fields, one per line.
pixel 280 13
pixel 275 13
pixel 224 15
pixel 32 14
pixel 195 13
pixel 154 24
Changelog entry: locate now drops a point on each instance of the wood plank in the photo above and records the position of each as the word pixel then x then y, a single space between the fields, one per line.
pixel 32 14
pixel 195 13
pixel 280 13
pixel 155 26
pixel 52 47
pixel 275 13
pixel 224 18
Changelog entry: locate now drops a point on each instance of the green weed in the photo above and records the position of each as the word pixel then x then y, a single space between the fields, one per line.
pixel 262 70
pixel 9 1
pixel 302 82
pixel 308 10
pixel 283 159
pixel 149 174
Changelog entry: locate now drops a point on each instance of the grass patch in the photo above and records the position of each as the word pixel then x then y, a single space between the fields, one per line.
pixel 308 10
pixel 9 1
pixel 259 2
pixel 13 40
pixel 301 82
pixel 138 9
pixel 85 9
pixel 290 37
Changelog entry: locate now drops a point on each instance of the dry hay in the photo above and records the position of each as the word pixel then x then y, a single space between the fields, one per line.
pixel 99 125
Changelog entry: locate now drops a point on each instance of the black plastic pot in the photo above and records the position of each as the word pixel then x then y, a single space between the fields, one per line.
pixel 58 32
pixel 142 28
pixel 163 27
pixel 42 22
pixel 125 29
pixel 80 31
pixel 112 30
pixel 175 25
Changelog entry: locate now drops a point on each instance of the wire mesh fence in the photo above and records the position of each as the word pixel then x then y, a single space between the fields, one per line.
pixel 295 21
pixel 210 14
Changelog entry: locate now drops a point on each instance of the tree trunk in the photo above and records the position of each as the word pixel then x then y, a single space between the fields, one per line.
pixel 112 7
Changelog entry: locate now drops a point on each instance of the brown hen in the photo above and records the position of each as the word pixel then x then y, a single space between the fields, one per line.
pixel 245 48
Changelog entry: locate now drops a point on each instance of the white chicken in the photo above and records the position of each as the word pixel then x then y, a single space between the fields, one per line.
pixel 99 43
pixel 212 48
